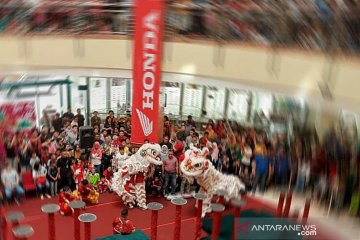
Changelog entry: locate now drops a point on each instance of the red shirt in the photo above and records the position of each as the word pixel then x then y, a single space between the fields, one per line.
pixel 170 165
pixel 123 226
pixel 108 174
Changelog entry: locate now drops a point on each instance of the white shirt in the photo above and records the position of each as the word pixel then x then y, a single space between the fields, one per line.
pixel 9 178
pixel 121 159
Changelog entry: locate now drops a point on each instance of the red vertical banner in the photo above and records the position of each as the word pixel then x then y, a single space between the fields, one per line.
pixel 149 20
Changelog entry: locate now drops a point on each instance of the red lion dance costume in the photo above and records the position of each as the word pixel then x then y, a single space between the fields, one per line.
pixel 129 181
pixel 65 198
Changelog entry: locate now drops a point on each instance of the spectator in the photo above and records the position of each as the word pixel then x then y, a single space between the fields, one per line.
pixel 94 177
pixel 95 120
pixel 34 159
pixel 72 137
pixel 10 180
pixel 57 122
pixel 281 167
pixel 68 116
pixel 96 156
pixel 53 177
pixel 170 169
pixel 119 158
pixel 260 168
pixel 166 142
pixel 45 120
pixel 64 165
pixel 39 174
pixel 80 117
pixel 178 148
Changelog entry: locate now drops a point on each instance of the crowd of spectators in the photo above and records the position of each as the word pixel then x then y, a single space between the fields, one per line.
pixel 301 163
pixel 309 24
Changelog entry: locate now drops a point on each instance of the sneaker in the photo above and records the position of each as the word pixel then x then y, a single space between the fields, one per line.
pixel 170 197
pixel 48 196
pixel 42 197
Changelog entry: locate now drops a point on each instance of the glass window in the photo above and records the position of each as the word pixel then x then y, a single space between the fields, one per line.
pixel 98 94
pixel 118 94
pixel 238 105
pixel 192 100
pixel 215 102
pixel 170 98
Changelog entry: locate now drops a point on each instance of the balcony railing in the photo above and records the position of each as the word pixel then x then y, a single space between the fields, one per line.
pixel 326 26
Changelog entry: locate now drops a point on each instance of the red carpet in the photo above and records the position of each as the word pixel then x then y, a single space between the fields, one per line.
pixel 109 208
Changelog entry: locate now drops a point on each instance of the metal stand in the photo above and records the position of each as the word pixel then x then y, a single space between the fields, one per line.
pixel 154 207
pixel 50 210
pixel 178 202
pixel 77 205
pixel 237 203
pixel 87 219
pixel 200 197
pixel 22 232
pixel 217 210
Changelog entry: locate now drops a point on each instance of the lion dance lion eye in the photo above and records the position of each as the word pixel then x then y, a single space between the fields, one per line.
pixel 198 165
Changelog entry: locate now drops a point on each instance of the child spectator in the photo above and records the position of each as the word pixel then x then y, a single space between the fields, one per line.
pixel 156 186
pixel 108 174
pixel 94 178
pixel 102 185
pixel 34 159
pixel 78 172
pixel 53 178
pixel 120 158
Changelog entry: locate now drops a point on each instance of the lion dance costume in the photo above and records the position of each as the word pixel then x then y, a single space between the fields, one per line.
pixel 129 181
pixel 196 166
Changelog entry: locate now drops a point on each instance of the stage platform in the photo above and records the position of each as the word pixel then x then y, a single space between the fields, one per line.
pixel 110 207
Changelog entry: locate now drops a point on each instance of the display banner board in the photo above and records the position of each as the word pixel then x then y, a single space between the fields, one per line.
pixel 149 20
